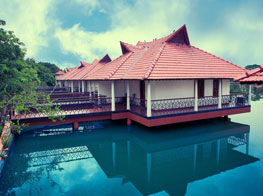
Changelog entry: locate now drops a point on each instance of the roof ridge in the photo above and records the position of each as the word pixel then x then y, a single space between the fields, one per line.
pixel 117 68
pixel 149 71
pixel 218 57
pixel 135 61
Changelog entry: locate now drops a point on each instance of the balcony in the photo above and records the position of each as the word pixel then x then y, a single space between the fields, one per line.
pixel 165 107
pixel 91 105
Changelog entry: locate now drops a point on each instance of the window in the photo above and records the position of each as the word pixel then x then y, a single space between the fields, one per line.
pixel 201 88
pixel 215 88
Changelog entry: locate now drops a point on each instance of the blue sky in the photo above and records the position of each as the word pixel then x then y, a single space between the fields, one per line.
pixel 68 31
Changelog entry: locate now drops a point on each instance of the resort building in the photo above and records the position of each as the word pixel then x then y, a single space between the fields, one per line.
pixel 160 82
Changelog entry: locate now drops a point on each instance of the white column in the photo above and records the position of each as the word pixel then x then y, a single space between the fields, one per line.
pixel 128 95
pixel 149 99
pixel 196 95
pixel 112 96
pixel 89 87
pixel 220 94
pixel 98 87
pixel 249 94
pixel 79 86
pixel 82 88
pixel 72 86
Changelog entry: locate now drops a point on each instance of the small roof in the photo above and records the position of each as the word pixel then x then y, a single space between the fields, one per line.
pixel 253 76
pixel 83 71
pixel 59 73
pixel 69 69
pixel 171 57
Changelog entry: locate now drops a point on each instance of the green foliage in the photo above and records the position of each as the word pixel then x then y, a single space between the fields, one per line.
pixel 251 67
pixel 19 79
pixel 45 72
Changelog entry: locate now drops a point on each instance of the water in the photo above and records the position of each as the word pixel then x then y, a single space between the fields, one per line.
pixel 201 158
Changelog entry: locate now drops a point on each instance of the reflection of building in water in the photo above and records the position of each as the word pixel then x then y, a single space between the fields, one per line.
pixel 168 162
pixel 155 161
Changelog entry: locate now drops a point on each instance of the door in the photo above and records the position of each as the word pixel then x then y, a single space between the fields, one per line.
pixel 142 89
pixel 201 88
pixel 215 87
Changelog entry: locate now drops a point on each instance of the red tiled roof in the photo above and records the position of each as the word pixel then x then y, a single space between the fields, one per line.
pixel 84 69
pixel 255 75
pixel 69 69
pixel 171 57
pixel 59 73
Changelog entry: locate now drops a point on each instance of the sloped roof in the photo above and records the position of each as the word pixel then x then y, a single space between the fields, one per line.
pixel 82 71
pixel 59 73
pixel 171 57
pixel 253 76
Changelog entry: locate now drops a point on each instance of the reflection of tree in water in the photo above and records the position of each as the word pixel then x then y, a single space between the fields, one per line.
pixel 18 172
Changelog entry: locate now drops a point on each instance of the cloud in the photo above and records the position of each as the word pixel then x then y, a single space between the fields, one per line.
pixel 88 5
pixel 29 20
pixel 239 39
pixel 129 23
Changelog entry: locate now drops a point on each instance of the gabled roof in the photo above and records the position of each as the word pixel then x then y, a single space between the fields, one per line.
pixel 83 71
pixel 59 73
pixel 170 57
pixel 252 76
pixel 69 69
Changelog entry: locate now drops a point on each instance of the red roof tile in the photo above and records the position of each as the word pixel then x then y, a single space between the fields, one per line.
pixel 171 57
pixel 59 73
pixel 255 75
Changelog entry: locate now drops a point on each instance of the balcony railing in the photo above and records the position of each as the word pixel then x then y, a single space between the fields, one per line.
pixel 86 104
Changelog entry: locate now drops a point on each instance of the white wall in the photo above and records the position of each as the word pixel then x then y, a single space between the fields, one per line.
pixel 208 88
pixel 225 87
pixel 169 89
pixel 105 88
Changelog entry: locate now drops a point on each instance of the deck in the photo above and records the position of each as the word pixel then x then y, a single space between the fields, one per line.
pixel 167 111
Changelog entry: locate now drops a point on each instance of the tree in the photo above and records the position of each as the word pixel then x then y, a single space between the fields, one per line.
pixel 19 80
pixel 251 67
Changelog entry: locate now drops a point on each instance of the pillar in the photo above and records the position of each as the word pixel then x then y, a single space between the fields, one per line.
pixel 129 122
pixel 249 94
pixel 128 95
pixel 72 87
pixel 82 88
pixel 196 95
pixel 112 96
pixel 149 99
pixel 79 86
pixel 89 88
pixel 75 125
pixel 220 94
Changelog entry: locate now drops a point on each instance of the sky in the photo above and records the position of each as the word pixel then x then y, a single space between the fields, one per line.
pixel 66 32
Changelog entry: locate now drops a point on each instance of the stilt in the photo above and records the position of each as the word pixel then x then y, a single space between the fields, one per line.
pixel 75 125
pixel 129 122
pixel 227 119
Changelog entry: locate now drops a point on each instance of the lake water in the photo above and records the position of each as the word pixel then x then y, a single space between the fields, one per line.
pixel 212 157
